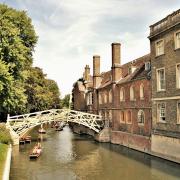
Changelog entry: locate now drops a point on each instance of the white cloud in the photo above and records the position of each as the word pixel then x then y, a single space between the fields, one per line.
pixel 72 31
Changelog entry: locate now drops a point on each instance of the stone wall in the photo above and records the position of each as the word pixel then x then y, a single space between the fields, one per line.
pixel 137 142
pixel 166 147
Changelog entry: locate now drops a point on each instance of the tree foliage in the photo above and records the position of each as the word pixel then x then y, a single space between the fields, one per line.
pixel 23 88
pixel 65 101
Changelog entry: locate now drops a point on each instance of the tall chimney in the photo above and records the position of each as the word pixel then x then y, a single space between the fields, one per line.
pixel 87 73
pixel 96 71
pixel 116 62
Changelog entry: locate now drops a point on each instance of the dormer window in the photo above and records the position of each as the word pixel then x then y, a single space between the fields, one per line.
pixel 147 66
pixel 177 40
pixel 159 47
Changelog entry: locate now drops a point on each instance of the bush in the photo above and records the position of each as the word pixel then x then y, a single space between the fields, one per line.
pixel 5 137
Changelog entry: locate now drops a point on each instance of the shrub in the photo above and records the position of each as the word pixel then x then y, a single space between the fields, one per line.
pixel 5 136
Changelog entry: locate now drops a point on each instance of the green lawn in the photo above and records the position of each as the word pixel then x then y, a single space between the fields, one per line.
pixel 3 153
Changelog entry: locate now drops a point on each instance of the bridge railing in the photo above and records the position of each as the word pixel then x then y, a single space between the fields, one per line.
pixel 20 123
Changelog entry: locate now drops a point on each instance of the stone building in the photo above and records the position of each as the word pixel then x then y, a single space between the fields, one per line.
pixel 140 100
pixel 82 89
pixel 165 59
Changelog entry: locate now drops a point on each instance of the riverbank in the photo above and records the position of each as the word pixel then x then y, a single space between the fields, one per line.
pixel 3 155
pixel 5 152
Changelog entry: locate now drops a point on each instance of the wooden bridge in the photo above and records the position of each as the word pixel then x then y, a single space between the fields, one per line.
pixel 20 124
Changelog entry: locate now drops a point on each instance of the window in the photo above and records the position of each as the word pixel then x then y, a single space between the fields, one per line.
pixel 132 93
pixel 100 113
pixel 105 97
pixel 110 96
pixel 122 118
pixel 159 47
pixel 147 66
pixel 100 98
pixel 161 79
pixel 122 94
pixel 141 117
pixel 178 112
pixel 162 112
pixel 141 91
pixel 177 40
pixel 128 117
pixel 90 99
pixel 110 114
pixel 178 76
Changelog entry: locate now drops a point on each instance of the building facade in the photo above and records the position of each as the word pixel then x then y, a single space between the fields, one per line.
pixel 140 100
pixel 165 59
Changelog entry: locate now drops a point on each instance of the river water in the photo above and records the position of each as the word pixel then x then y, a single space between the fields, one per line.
pixel 68 156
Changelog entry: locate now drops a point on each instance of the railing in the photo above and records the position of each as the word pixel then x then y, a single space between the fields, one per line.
pixel 167 22
pixel 21 123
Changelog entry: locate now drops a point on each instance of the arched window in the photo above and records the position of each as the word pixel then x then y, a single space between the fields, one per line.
pixel 128 117
pixel 122 94
pixel 100 98
pixel 110 114
pixel 122 117
pixel 132 93
pixel 105 97
pixel 110 96
pixel 141 91
pixel 141 117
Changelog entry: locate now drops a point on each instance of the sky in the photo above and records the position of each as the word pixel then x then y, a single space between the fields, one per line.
pixel 72 31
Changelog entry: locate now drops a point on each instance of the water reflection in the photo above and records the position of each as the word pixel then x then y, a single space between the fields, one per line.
pixel 68 156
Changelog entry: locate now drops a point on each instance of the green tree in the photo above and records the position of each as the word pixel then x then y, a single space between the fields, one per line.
pixel 23 88
pixel 65 101
pixel 42 93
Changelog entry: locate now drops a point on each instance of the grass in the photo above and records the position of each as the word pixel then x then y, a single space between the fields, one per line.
pixel 3 153
pixel 5 140
pixel 5 137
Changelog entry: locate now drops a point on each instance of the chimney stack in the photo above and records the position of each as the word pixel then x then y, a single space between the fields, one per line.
pixel 116 62
pixel 96 71
pixel 87 73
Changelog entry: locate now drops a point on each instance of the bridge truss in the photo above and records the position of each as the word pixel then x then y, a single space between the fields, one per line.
pixel 20 124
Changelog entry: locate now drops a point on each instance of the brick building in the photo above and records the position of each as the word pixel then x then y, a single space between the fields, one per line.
pixel 165 58
pixel 140 100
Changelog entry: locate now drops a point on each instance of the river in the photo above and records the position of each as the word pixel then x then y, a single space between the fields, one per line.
pixel 68 156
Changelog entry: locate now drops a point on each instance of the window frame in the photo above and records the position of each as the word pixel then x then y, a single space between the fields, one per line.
pixel 123 93
pixel 105 97
pixel 110 96
pixel 124 120
pixel 177 80
pixel 178 112
pixel 100 98
pixel 158 80
pixel 141 123
pixel 132 88
pixel 141 90
pixel 156 42
pixel 158 113
pixel 175 40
